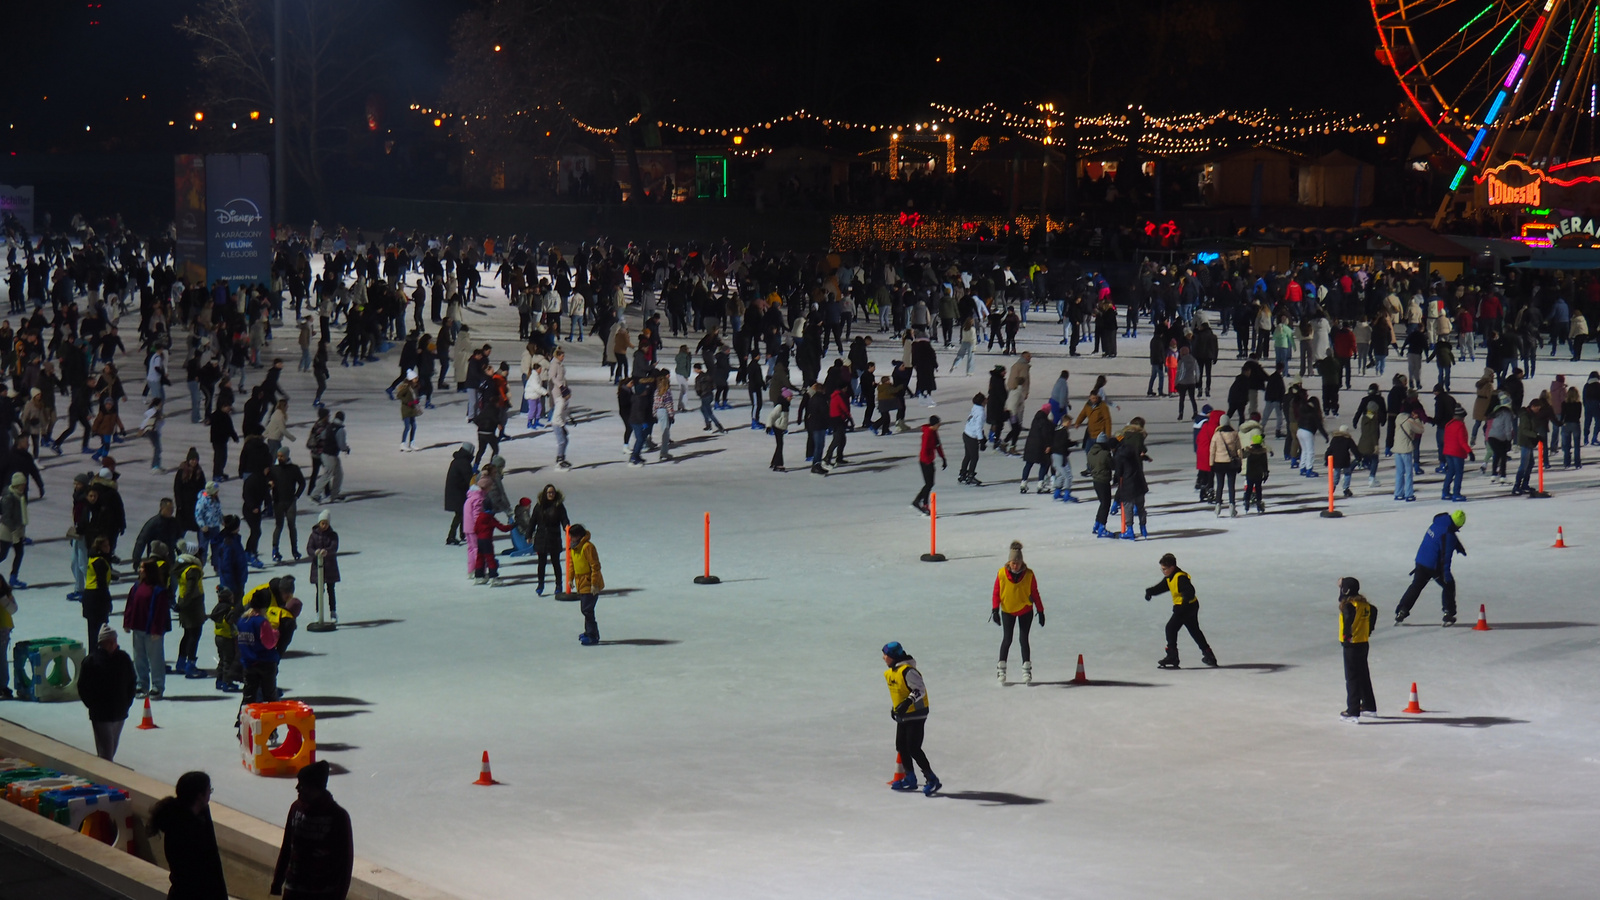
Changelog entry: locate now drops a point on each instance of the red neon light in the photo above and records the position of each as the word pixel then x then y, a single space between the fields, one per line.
pixel 1542 176
pixel 1575 162
pixel 1537 24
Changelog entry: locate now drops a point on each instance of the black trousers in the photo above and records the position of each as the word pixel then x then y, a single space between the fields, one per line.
pixel 835 452
pixel 969 456
pixel 1102 492
pixel 1357 680
pixel 586 604
pixel 1007 623
pixel 777 452
pixel 908 743
pixel 553 558
pixel 456 532
pixel 1420 576
pixel 252 544
pixel 927 484
pixel 1186 615
pixel 260 684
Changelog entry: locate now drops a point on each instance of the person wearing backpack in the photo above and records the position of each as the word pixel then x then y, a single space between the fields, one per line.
pixel 314 440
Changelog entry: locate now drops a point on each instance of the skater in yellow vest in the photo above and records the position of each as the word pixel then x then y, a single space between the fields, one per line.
pixel 908 706
pixel 1356 618
pixel 1185 611
pixel 1015 599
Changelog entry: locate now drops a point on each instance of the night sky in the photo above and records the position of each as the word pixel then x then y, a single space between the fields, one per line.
pixel 119 66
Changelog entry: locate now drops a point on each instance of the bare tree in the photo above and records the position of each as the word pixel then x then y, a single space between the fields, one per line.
pixel 330 64
pixel 612 64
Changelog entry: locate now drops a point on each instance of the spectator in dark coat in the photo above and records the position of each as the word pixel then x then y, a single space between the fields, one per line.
pixel 318 851
pixel 190 840
pixel 106 685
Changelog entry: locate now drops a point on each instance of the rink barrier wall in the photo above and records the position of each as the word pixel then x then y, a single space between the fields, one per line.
pixel 249 845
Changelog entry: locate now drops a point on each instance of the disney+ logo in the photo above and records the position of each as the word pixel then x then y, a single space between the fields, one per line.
pixel 238 211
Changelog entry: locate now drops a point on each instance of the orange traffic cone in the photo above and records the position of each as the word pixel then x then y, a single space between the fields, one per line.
pixel 1413 706
pixel 899 769
pixel 1080 678
pixel 1561 539
pixel 1483 620
pixel 149 722
pixel 485 776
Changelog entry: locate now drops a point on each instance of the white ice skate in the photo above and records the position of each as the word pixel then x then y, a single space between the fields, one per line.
pixel 1000 672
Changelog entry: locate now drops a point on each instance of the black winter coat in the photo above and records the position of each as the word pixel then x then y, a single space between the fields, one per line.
pixel 190 842
pixel 106 684
pixel 458 480
pixel 550 524
pixel 1040 432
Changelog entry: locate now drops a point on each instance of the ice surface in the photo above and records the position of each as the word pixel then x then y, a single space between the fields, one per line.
pixel 735 741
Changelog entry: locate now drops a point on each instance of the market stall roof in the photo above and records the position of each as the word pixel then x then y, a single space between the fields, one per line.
pixel 1554 258
pixel 1423 242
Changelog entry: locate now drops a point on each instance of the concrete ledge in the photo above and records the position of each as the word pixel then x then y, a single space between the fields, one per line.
pixel 107 867
pixel 249 846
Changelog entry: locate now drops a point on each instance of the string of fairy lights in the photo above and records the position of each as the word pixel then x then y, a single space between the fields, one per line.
pixel 1171 134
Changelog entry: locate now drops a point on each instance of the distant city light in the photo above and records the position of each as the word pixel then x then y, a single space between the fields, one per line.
pixel 497 48
pixel 438 122
pixel 199 116
pixel 255 114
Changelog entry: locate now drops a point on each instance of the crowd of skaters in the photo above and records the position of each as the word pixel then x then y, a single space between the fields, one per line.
pixel 763 319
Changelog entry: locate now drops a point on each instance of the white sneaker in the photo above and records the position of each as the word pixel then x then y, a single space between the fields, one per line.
pixel 402 446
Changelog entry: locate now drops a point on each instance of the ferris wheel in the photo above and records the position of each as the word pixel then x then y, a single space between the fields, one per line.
pixel 1497 79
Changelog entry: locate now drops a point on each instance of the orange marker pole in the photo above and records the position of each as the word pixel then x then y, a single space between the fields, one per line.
pixel 568 532
pixel 933 554
pixel 1540 493
pixel 707 578
pixel 1330 512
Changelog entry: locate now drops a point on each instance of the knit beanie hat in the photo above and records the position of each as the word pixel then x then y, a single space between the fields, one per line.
pixel 105 632
pixel 894 651
pixel 1016 553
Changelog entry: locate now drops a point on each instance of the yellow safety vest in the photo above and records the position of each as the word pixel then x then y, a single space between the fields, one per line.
pixel 91 581
pixel 1015 596
pixel 1172 585
pixel 899 691
pixel 1361 628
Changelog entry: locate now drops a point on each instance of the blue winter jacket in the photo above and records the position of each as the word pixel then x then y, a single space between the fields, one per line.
pixel 231 566
pixel 1439 545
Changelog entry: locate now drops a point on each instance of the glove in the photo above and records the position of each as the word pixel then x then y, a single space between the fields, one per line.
pixel 1041 618
pixel 944 464
pixel 994 616
pixel 903 707
pixel 1147 596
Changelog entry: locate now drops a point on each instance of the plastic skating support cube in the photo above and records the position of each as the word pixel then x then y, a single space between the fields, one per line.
pixel 26 793
pixel 257 722
pixel 47 669
pixel 12 776
pixel 11 764
pixel 103 813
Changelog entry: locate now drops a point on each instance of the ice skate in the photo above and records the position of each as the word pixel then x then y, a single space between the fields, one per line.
pixel 1449 620
pixel 1027 671
pixel 1170 661
pixel 1000 672
pixel 908 783
pixel 933 786
pixel 1024 487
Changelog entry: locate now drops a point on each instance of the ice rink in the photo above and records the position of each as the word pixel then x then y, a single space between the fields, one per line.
pixel 733 741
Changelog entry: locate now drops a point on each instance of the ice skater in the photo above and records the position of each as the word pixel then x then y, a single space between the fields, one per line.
pixel 930 448
pixel 1015 599
pixel 1439 545
pixel 908 699
pixel 1185 612
pixel 1356 618
pixel 587 582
